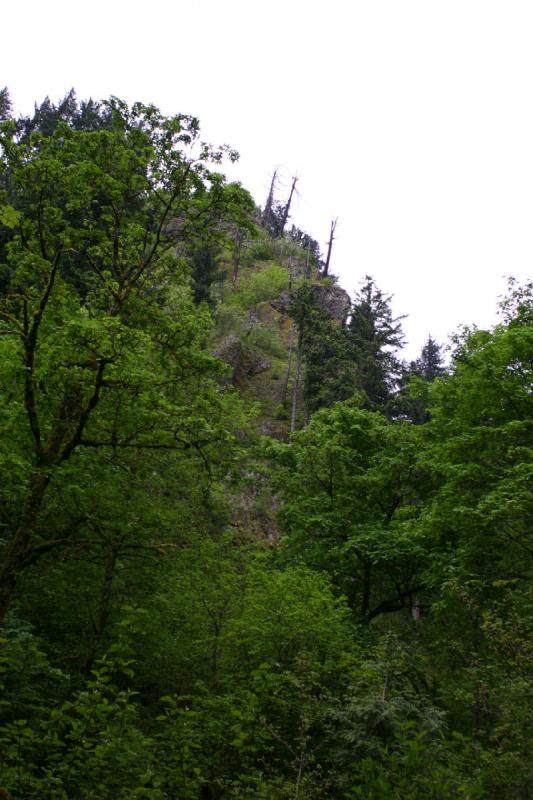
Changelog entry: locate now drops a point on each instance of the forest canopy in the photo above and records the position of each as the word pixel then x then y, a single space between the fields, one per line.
pixel 246 550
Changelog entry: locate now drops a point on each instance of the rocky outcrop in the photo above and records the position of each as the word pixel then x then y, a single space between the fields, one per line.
pixel 330 298
pixel 243 361
pixel 333 299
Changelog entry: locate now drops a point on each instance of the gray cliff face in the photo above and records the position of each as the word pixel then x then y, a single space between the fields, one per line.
pixel 330 298
pixel 333 299
pixel 243 361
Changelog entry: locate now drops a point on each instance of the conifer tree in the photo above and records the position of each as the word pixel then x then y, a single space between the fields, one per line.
pixel 411 402
pixel 205 269
pixel 375 336
pixel 5 103
pixel 87 115
pixel 430 364
pixel 329 373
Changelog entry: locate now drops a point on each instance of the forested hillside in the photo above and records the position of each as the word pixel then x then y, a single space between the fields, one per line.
pixel 246 550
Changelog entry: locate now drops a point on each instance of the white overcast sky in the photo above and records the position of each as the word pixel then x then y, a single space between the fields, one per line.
pixel 409 120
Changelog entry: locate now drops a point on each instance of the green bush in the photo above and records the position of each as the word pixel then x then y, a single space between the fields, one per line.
pixel 267 340
pixel 259 287
pixel 262 251
pixel 229 319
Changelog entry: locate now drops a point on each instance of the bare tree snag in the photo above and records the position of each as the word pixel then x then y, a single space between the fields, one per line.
pixel 270 199
pixel 307 269
pixel 285 386
pixel 330 246
pixel 287 208
pixel 296 388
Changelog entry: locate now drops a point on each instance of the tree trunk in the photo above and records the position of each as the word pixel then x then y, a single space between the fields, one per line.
pixel 295 388
pixel 307 270
pixel 330 246
pixel 103 608
pixel 270 199
pixel 285 387
pixel 237 256
pixel 287 206
pixel 16 551
pixel 365 600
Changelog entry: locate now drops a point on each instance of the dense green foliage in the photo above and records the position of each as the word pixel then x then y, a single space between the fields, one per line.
pixel 375 337
pixel 190 611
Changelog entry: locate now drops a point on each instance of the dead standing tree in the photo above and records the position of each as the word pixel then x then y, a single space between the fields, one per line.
pixel 287 207
pixel 307 268
pixel 285 387
pixel 330 246
pixel 296 388
pixel 267 213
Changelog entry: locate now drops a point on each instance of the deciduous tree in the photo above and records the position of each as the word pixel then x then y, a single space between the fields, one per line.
pixel 101 352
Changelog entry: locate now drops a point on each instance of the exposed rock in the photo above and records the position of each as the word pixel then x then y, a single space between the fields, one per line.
pixel 333 299
pixel 244 362
pixel 330 298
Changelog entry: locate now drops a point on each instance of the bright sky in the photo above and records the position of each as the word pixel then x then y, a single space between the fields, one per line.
pixel 409 120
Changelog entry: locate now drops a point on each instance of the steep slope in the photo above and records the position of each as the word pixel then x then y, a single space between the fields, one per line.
pixel 255 333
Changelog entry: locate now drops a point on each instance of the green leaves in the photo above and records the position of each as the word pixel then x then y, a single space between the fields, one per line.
pixel 351 497
pixel 9 216
pixel 153 648
pixel 106 356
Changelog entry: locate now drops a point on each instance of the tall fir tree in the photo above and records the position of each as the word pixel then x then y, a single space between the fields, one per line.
pixel 87 115
pixel 205 269
pixel 375 337
pixel 411 401
pixel 5 104
pixel 329 371
pixel 430 365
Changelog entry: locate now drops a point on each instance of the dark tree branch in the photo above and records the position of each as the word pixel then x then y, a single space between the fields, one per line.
pixel 86 413
pixel 30 345
pixel 393 604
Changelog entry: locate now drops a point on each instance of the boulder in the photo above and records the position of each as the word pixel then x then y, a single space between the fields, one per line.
pixel 329 297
